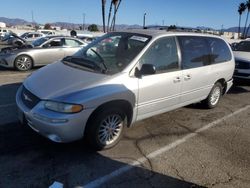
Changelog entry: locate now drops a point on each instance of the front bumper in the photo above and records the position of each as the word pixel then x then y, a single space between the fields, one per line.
pixel 242 73
pixel 7 60
pixel 57 127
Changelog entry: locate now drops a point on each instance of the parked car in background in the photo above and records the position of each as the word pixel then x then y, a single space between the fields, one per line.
pixel 97 92
pixel 46 32
pixel 242 60
pixel 43 51
pixel 3 32
pixel 31 36
pixel 88 38
pixel 12 39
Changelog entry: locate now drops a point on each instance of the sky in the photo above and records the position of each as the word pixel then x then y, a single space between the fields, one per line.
pixel 189 13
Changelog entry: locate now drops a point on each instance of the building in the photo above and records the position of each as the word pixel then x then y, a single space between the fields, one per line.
pixel 2 25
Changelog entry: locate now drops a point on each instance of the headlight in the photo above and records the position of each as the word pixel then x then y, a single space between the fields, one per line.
pixel 63 107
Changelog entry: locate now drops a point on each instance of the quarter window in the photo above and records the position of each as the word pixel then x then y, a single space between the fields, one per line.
pixel 219 50
pixel 162 54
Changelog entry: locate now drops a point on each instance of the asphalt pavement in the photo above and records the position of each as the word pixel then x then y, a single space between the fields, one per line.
pixel 187 147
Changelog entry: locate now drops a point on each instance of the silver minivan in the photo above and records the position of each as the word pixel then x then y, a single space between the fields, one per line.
pixel 121 78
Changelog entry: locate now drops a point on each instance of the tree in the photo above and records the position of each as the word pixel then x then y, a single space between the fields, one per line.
pixel 109 16
pixel 116 5
pixel 47 26
pixel 247 6
pixel 93 27
pixel 103 15
pixel 241 9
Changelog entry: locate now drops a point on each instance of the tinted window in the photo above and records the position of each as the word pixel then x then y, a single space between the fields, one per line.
pixel 243 46
pixel 219 50
pixel 73 43
pixel 162 54
pixel 195 51
pixel 54 43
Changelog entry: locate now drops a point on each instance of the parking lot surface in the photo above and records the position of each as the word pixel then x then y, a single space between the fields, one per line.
pixel 188 147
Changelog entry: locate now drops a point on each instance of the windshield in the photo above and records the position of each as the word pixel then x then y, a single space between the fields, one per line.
pixel 39 41
pixel 24 35
pixel 243 46
pixel 112 52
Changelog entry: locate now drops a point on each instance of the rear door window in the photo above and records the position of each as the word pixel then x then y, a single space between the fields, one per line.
pixel 195 51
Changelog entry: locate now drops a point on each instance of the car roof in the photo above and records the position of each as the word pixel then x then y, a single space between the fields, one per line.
pixel 156 33
pixel 60 36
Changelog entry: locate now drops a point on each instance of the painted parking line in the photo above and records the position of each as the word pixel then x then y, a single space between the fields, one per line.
pixel 104 179
pixel 7 105
pixel 17 74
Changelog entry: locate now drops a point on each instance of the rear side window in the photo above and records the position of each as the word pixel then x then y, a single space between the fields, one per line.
pixel 195 52
pixel 201 51
pixel 219 50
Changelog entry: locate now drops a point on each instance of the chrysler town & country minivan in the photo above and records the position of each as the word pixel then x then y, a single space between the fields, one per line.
pixel 121 78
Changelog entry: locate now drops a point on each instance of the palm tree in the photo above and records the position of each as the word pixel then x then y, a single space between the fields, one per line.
pixel 112 3
pixel 116 5
pixel 110 10
pixel 103 15
pixel 241 9
pixel 247 6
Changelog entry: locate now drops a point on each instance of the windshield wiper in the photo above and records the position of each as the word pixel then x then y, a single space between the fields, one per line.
pixel 102 60
pixel 84 62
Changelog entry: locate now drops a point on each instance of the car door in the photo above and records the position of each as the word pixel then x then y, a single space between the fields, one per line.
pixel 50 52
pixel 161 91
pixel 71 46
pixel 195 63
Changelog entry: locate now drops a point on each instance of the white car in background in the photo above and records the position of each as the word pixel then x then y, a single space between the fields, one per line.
pixel 242 60
pixel 3 32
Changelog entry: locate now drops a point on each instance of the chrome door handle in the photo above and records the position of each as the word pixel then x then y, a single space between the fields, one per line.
pixel 187 77
pixel 177 79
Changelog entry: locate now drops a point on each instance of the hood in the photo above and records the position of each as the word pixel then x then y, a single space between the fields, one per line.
pixel 58 79
pixel 16 48
pixel 242 55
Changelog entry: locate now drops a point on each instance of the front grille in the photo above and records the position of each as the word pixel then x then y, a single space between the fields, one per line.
pixel 29 99
pixel 242 65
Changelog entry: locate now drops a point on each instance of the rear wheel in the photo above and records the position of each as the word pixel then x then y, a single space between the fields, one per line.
pixel 23 63
pixel 214 96
pixel 105 129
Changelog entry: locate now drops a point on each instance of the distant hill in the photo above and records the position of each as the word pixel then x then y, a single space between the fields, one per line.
pixel 65 25
pixel 13 21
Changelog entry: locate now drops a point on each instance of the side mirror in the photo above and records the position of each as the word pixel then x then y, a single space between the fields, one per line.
pixel 146 69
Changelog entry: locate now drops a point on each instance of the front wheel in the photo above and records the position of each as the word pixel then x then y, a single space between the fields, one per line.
pixel 214 96
pixel 23 63
pixel 105 129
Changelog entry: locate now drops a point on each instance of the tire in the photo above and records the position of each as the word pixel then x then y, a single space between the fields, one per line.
pixel 23 63
pixel 105 128
pixel 214 96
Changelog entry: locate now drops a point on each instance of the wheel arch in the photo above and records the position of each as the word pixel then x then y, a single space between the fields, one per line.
pixel 223 83
pixel 24 54
pixel 122 104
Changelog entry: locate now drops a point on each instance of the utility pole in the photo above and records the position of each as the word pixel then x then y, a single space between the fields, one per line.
pixel 144 20
pixel 32 18
pixel 83 21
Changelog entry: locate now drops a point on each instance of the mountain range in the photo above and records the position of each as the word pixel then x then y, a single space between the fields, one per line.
pixel 67 25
